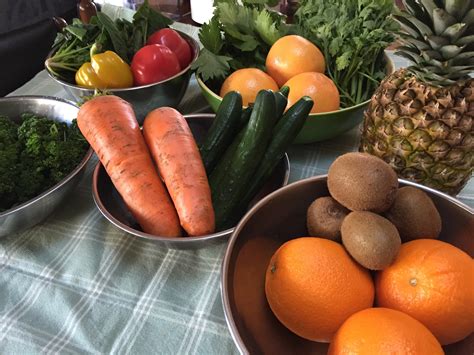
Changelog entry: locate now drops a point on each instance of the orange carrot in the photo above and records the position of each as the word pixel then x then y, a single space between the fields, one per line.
pixel 176 154
pixel 109 125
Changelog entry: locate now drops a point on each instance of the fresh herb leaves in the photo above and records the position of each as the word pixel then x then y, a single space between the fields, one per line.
pixel 352 34
pixel 238 36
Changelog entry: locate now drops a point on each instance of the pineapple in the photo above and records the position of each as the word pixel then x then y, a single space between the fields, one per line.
pixel 420 119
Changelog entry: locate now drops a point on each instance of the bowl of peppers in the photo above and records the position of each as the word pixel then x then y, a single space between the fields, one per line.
pixel 143 61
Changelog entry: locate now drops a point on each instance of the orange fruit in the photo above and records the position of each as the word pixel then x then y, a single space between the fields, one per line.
pixel 312 286
pixel 292 55
pixel 317 86
pixel 248 82
pixel 383 331
pixel 432 281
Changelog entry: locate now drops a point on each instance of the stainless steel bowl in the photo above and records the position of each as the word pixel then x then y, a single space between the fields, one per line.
pixel 35 210
pixel 277 218
pixel 144 98
pixel 111 205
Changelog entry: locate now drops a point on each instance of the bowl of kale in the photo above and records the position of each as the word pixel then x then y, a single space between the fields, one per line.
pixel 43 155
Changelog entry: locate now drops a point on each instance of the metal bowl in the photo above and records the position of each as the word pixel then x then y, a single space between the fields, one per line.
pixel 37 209
pixel 277 218
pixel 111 205
pixel 144 98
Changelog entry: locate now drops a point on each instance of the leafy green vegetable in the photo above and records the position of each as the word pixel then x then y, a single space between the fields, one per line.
pixel 8 158
pixel 117 37
pixel 352 34
pixel 149 21
pixel 238 36
pixel 211 65
pixel 71 49
pixel 35 156
pixel 77 42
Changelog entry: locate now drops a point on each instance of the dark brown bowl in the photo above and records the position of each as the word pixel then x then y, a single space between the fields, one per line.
pixel 279 217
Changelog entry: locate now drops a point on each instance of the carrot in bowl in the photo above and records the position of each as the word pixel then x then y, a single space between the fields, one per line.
pixel 179 162
pixel 111 128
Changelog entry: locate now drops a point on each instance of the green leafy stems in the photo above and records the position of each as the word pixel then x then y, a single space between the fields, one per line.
pixel 78 41
pixel 352 34
pixel 238 36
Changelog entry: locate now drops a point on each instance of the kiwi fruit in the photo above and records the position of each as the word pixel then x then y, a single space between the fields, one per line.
pixel 372 240
pixel 362 182
pixel 414 214
pixel 324 218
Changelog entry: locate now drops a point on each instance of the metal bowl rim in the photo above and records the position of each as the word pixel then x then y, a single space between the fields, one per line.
pixel 229 317
pixel 181 240
pixel 68 177
pixel 196 51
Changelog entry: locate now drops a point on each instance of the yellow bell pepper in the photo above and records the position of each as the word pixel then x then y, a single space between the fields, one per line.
pixel 87 77
pixel 112 70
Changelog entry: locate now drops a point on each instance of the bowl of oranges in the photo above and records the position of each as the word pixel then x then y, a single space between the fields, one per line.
pixel 356 261
pixel 296 63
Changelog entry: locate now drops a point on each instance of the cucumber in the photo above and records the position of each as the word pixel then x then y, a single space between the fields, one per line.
pixel 285 91
pixel 222 131
pixel 245 160
pixel 280 102
pixel 219 173
pixel 244 118
pixel 285 132
pixel 223 164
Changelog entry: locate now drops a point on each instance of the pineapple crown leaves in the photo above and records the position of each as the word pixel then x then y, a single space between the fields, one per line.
pixel 437 36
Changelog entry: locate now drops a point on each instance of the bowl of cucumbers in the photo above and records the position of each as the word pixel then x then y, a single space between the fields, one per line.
pixel 243 152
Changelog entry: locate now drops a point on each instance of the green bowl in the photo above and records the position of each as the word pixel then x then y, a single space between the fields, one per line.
pixel 319 126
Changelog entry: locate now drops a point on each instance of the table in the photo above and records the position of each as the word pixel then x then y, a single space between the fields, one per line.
pixel 77 284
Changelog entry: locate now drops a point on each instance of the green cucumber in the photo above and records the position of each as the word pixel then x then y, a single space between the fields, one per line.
pixel 246 158
pixel 285 91
pixel 280 101
pixel 244 118
pixel 222 131
pixel 284 134
pixel 219 173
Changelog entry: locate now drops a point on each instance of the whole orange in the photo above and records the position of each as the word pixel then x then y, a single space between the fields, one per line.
pixel 312 286
pixel 248 82
pixel 292 55
pixel 383 331
pixel 317 86
pixel 432 281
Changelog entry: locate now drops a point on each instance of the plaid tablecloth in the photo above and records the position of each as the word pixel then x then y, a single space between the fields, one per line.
pixel 77 284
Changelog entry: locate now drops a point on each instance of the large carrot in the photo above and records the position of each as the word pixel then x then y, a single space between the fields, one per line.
pixel 109 125
pixel 179 162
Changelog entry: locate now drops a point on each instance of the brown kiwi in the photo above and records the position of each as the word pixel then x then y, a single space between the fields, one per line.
pixel 372 240
pixel 324 218
pixel 362 182
pixel 414 214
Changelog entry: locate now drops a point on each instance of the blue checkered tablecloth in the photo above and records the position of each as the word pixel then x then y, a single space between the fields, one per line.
pixel 76 284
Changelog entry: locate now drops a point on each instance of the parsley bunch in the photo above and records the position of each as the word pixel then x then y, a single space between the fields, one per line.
pixel 352 34
pixel 35 155
pixel 238 36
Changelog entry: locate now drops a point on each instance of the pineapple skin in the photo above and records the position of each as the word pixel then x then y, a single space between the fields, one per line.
pixel 424 132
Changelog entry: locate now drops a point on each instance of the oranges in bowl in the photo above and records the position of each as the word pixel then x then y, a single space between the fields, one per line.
pixel 248 82
pixel 292 55
pixel 281 291
pixel 295 62
pixel 306 277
